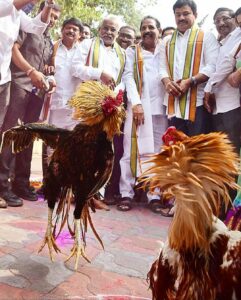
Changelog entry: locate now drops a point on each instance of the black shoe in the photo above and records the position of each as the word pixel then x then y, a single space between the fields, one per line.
pixel 26 194
pixel 12 199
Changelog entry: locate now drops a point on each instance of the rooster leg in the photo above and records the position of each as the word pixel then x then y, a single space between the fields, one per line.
pixel 49 238
pixel 79 247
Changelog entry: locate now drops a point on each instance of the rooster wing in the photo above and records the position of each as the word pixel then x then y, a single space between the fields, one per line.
pixel 20 137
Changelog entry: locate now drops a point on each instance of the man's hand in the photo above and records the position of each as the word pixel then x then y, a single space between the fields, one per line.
pixel 37 79
pixel 108 80
pixel 184 85
pixel 138 114
pixel 49 70
pixel 172 87
pixel 209 102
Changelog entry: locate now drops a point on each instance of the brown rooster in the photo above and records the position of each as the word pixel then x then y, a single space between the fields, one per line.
pixel 201 259
pixel 82 160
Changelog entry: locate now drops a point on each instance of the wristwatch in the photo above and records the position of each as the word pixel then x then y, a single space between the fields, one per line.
pixel 51 5
pixel 193 81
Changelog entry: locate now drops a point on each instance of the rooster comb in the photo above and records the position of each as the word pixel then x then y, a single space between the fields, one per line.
pixel 94 102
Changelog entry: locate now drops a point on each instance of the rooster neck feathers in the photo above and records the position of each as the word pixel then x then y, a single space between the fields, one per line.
pixel 197 171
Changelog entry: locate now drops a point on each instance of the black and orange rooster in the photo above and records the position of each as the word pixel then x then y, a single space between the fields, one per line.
pixel 81 162
pixel 201 259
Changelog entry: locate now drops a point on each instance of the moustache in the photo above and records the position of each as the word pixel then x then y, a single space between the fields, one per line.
pixel 182 22
pixel 70 34
pixel 147 34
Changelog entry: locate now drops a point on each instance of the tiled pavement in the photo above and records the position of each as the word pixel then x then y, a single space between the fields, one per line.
pixel 131 242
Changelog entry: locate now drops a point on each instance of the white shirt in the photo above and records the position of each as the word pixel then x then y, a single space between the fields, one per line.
pixel 108 62
pixel 207 65
pixel 65 83
pixel 227 97
pixel 6 7
pixel 152 84
pixel 9 29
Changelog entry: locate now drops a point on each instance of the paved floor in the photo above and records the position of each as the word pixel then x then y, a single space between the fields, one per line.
pixel 131 242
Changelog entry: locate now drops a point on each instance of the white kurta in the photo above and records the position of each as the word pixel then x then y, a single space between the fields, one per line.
pixel 209 56
pixel 108 62
pixel 60 114
pixel 227 97
pixel 149 134
pixel 9 29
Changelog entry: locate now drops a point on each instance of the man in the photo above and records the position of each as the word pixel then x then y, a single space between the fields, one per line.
pixel 60 114
pixel 146 120
pixel 225 108
pixel 86 33
pixel 11 21
pixel 126 36
pixel 187 61
pixel 167 31
pixel 101 58
pixel 31 53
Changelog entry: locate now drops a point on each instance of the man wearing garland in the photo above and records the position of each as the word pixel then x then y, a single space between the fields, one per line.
pixel 188 58
pixel 146 120
pixel 101 58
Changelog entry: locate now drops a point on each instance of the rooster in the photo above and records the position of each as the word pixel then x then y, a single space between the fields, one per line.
pixel 81 162
pixel 201 259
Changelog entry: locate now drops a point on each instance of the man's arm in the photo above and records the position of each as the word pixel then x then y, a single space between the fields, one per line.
pixel 170 85
pixel 132 93
pixel 7 6
pixel 21 3
pixel 37 78
pixel 83 72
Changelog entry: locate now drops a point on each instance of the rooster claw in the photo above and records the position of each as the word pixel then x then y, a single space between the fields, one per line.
pixel 77 251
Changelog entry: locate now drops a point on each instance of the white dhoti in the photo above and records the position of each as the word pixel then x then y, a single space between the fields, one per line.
pixel 149 141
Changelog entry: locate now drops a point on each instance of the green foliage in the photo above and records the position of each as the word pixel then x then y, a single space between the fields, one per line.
pixel 92 11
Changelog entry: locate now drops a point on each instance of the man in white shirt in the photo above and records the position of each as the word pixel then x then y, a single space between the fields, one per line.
pixel 101 58
pixel 60 114
pixel 11 20
pixel 224 103
pixel 146 120
pixel 187 61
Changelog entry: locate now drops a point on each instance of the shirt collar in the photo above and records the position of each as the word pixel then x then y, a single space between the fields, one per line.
pixel 74 46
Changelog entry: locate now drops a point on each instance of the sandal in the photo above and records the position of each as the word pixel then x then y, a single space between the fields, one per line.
pixel 125 204
pixel 163 209
pixel 3 203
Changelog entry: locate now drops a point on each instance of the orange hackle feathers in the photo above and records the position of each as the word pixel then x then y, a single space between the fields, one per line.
pixel 95 103
pixel 198 171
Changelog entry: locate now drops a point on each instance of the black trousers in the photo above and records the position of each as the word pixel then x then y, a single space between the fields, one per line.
pixel 112 187
pixel 24 106
pixel 230 123
pixel 202 123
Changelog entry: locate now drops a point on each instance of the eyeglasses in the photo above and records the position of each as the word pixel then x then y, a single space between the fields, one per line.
pixel 223 19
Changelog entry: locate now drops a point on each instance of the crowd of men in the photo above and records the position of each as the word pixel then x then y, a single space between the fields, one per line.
pixel 183 77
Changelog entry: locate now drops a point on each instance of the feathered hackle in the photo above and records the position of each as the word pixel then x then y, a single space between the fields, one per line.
pixel 95 103
pixel 197 171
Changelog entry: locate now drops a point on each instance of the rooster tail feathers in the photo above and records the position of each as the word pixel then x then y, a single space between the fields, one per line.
pixel 198 171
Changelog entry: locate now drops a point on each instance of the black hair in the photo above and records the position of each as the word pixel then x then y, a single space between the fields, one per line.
pixel 181 3
pixel 55 6
pixel 221 9
pixel 128 27
pixel 158 24
pixel 75 22
pixel 237 12
pixel 86 25
pixel 168 28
